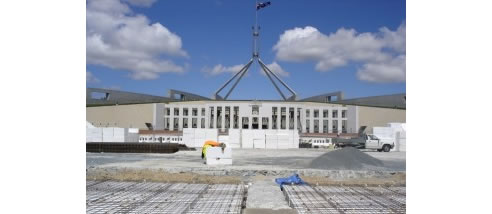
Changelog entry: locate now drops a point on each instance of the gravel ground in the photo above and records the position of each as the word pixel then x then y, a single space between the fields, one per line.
pixel 243 159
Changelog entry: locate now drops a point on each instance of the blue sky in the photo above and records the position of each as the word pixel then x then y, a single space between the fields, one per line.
pixel 316 46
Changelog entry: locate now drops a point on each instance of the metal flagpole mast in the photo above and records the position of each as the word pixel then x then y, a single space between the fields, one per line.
pixel 255 56
pixel 256 33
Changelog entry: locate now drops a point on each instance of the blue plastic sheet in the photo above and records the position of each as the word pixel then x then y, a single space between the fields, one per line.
pixel 294 179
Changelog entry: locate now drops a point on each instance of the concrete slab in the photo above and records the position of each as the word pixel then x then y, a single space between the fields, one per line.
pixel 266 194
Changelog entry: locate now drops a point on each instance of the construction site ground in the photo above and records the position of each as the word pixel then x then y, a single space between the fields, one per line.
pixel 244 161
pixel 255 170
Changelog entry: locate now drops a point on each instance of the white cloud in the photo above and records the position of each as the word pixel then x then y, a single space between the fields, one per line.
pixel 119 39
pixel 219 69
pixel 275 68
pixel 380 53
pixel 90 78
pixel 142 3
pixel 391 71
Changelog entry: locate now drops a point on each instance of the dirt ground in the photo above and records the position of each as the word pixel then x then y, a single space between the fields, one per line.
pixel 159 176
pixel 397 179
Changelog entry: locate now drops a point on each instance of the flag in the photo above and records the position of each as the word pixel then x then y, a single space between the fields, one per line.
pixel 262 5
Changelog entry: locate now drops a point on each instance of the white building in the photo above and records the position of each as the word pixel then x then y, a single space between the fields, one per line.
pixel 244 123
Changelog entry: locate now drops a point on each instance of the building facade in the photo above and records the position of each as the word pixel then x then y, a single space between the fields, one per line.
pixel 306 117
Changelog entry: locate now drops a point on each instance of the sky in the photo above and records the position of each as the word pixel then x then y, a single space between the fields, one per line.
pixel 316 46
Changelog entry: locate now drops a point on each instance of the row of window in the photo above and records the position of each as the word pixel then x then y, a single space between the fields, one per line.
pixel 334 113
pixel 254 111
pixel 194 111
pixel 161 138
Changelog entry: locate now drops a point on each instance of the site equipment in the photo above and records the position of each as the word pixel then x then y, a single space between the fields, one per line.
pixel 364 141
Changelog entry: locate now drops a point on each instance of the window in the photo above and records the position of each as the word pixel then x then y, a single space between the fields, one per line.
pixel 325 126
pixel 255 110
pixel 219 117
pixel 203 111
pixel 176 111
pixel 194 112
pixel 227 117
pixel 282 118
pixel 185 122
pixel 203 123
pixel 193 123
pixel 274 118
pixel 245 123
pixel 316 126
pixel 344 113
pixel 307 112
pixel 185 112
pixel 307 125
pixel 316 113
pixel 211 125
pixel 325 113
pixel 168 111
pixel 236 117
pixel 255 121
pixel 264 123
pixel 335 113
pixel 176 123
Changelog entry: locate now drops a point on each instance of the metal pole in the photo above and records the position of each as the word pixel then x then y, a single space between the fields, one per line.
pixel 237 81
pixel 292 91
pixel 269 77
pixel 223 86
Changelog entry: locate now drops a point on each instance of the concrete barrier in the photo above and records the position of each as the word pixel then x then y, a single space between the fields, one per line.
pixel 217 156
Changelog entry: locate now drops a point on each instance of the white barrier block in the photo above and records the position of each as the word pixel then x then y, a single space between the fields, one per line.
pixel 221 161
pixel 216 152
pixel 215 156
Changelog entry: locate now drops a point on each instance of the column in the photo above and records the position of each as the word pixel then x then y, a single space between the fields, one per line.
pixel 250 122
pixel 286 118
pixel 180 119
pixel 295 118
pixel 279 115
pixel 222 119
pixel 171 118
pixel 303 120
pixel 330 125
pixel 215 117
pixel 190 116
pixel 207 116
pixel 311 120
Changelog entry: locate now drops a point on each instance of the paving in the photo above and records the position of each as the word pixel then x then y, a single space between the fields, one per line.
pixel 264 193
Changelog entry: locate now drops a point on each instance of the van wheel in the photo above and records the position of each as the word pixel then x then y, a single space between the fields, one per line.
pixel 386 148
pixel 380 150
